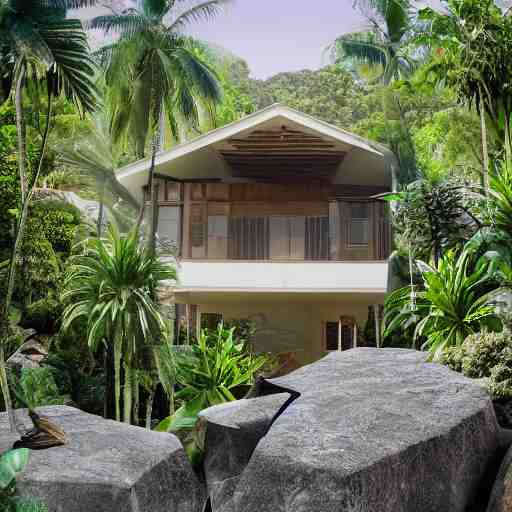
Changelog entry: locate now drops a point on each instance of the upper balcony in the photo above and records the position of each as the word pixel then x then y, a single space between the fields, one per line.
pixel 282 277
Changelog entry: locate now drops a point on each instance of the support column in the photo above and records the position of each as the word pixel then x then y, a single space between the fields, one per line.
pixel 376 317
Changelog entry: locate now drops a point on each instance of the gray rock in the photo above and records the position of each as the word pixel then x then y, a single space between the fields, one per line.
pixel 501 496
pixel 29 355
pixel 373 430
pixel 108 467
pixel 232 432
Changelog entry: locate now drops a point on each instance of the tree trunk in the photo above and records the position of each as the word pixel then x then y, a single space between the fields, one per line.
pixel 136 397
pixel 128 391
pixel 109 400
pixel 485 149
pixel 153 214
pixel 20 128
pixel 149 408
pixel 118 344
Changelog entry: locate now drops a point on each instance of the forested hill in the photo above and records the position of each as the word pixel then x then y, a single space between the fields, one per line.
pixel 330 94
pixel 396 115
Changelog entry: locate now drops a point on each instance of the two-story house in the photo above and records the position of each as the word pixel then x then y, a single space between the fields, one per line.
pixel 274 221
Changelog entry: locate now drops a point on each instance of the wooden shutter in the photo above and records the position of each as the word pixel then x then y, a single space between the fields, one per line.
pixel 297 233
pixel 198 230
pixel 334 230
pixel 317 238
pixel 248 238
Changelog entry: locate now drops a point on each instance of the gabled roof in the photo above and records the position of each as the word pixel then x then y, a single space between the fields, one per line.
pixel 250 122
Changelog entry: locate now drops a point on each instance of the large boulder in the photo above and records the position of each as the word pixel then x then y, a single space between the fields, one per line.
pixel 362 431
pixel 501 496
pixel 108 466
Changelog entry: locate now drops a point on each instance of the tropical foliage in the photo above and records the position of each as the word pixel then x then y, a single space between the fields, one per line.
pixel 152 76
pixel 47 55
pixel 111 285
pixel 485 355
pixel 385 48
pixel 472 41
pixel 455 301
pixel 12 464
pixel 210 374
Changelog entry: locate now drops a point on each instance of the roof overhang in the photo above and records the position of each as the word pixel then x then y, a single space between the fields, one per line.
pixel 207 156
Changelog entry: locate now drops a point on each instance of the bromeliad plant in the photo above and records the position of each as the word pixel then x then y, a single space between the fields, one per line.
pixel 209 375
pixel 12 464
pixel 456 301
pixel 112 286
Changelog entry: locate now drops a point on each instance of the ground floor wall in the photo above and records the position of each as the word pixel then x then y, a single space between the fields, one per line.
pixel 299 323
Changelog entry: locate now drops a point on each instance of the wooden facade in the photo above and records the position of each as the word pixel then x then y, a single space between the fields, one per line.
pixel 274 221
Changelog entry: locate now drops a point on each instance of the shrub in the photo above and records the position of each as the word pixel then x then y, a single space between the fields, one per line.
pixel 483 351
pixel 452 357
pixel 36 387
pixel 43 315
pixel 500 383
pixel 485 355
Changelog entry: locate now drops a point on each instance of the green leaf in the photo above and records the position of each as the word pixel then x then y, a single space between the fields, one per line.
pixel 12 463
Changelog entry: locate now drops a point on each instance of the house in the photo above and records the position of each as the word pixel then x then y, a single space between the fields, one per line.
pixel 274 221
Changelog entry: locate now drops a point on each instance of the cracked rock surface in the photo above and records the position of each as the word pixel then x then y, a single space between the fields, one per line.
pixel 372 430
pixel 107 467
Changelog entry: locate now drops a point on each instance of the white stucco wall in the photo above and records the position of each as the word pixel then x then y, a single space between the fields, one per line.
pixel 325 277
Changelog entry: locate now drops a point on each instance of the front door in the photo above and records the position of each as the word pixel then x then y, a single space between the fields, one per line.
pixel 341 334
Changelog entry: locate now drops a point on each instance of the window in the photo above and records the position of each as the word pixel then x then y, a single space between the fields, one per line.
pixel 331 336
pixel 287 237
pixel 358 225
pixel 340 335
pixel 169 228
pixel 217 236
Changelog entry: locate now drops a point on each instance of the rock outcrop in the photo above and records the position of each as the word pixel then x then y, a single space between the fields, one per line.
pixel 108 467
pixel 368 430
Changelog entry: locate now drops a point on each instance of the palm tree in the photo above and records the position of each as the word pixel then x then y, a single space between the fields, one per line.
pixel 385 46
pixel 44 49
pixel 97 156
pixel 152 74
pixel 382 54
pixel 110 286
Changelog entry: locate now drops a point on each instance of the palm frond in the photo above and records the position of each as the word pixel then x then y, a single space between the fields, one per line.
pixel 95 157
pixel 28 42
pixel 74 71
pixel 361 48
pixel 124 24
pixel 68 4
pixel 191 11
pixel 196 75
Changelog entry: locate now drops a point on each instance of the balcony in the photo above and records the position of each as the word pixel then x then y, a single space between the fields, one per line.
pixel 289 277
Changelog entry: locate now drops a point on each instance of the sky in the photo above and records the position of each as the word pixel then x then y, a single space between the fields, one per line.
pixel 278 35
